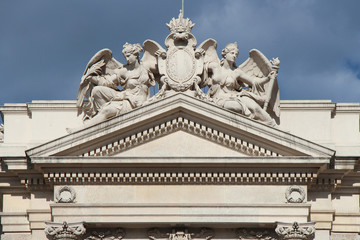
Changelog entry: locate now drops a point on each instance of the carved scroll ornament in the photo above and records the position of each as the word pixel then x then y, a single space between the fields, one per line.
pixel 296 231
pixel 64 231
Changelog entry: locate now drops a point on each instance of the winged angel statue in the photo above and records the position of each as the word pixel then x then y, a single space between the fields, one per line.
pixel 109 88
pixel 99 97
pixel 250 89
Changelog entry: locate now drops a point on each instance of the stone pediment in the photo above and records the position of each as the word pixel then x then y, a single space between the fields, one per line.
pixel 181 144
pixel 180 126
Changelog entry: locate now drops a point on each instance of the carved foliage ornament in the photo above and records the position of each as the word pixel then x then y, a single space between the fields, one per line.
pixel 176 234
pixel 255 234
pixel 106 234
pixel 295 231
pixel 64 231
pixel 180 235
pixel 290 194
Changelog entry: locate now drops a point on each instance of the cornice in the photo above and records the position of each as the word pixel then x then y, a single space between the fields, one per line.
pixel 189 114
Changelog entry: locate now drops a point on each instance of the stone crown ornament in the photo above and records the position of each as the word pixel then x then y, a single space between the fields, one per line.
pixel 180 24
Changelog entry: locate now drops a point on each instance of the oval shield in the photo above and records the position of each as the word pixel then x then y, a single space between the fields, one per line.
pixel 180 65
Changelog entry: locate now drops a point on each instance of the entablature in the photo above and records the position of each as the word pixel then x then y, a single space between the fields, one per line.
pixel 179 170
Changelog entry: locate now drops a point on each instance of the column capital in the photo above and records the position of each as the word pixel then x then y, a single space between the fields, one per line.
pixel 64 231
pixel 295 231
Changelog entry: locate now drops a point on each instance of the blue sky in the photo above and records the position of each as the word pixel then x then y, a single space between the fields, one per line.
pixel 45 45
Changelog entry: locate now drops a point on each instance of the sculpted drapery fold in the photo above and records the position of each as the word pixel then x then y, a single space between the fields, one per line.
pixel 250 89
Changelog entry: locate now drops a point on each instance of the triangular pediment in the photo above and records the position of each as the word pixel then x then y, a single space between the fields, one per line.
pixel 180 144
pixel 178 126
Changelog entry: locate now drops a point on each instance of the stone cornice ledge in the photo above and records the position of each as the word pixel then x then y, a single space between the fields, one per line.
pixel 181 104
pixel 39 104
pixel 348 107
pixel 13 214
pixel 187 205
pixel 15 163
pixel 200 170
pixel 307 105
pixel 171 161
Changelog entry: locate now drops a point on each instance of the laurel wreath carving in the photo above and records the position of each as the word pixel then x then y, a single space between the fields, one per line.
pixel 292 189
pixel 61 199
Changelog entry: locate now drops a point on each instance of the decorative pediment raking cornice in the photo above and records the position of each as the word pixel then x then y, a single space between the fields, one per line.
pixel 180 112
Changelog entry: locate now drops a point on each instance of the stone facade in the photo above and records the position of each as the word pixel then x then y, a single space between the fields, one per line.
pixel 183 164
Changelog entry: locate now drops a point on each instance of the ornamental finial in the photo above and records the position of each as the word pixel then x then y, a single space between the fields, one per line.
pixel 180 25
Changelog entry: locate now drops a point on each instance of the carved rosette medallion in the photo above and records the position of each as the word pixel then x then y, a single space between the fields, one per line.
pixel 64 231
pixel 295 194
pixel 295 231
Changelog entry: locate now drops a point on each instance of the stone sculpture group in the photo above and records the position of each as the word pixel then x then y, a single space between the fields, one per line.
pixel 109 88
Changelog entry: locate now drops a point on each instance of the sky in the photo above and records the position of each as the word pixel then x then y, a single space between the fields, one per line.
pixel 45 45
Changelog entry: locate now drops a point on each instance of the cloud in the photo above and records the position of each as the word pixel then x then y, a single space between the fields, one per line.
pixel 312 38
pixel 46 46
pixel 343 85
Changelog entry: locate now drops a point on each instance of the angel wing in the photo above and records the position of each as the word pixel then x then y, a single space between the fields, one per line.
pixel 208 48
pixel 210 54
pixel 257 65
pixel 150 58
pixel 100 64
